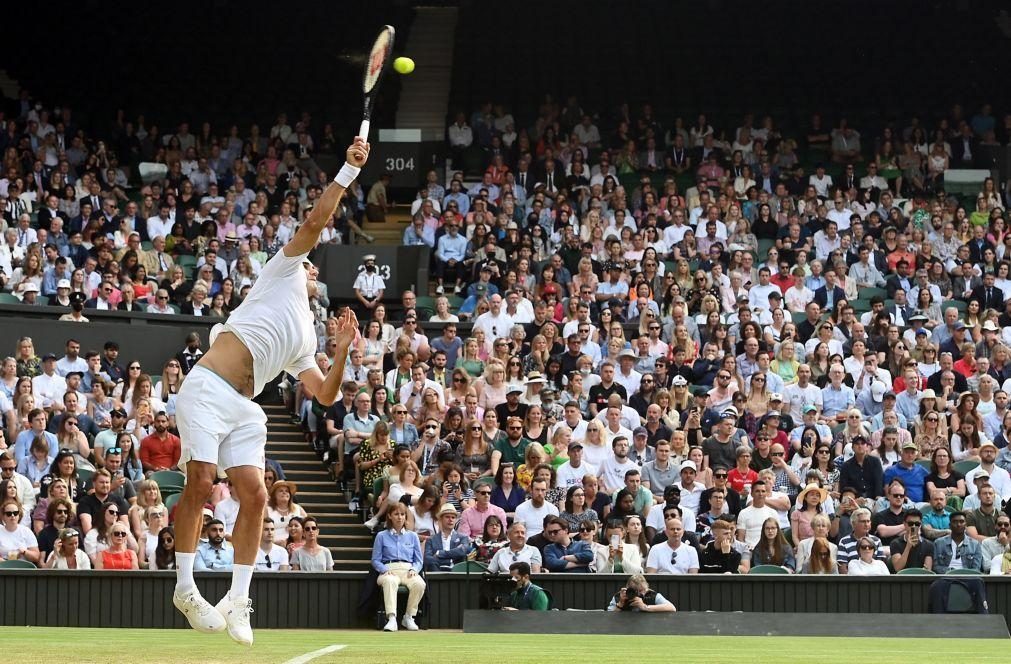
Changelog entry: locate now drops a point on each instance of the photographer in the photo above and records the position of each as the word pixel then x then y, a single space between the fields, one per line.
pixel 911 549
pixel 526 596
pixel 637 596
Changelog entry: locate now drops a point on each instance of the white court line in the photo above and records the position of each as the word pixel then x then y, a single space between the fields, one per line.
pixel 309 656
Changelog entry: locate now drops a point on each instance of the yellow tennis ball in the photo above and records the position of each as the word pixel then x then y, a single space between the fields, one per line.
pixel 403 65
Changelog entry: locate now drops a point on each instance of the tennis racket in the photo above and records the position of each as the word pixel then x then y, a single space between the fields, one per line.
pixel 379 57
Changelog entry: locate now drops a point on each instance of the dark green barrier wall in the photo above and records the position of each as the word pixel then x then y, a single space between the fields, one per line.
pixel 116 599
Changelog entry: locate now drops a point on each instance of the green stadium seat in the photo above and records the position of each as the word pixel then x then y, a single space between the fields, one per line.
pixel 768 569
pixel 171 500
pixel 763 247
pixel 168 478
pixel 870 291
pixel 85 474
pixel 914 571
pixel 924 462
pixel 470 567
pixel 965 466
pixel 17 564
pixel 963 572
pixel 798 317
pixel 9 298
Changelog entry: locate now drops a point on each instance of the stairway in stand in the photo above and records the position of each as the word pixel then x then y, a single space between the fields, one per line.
pixel 341 531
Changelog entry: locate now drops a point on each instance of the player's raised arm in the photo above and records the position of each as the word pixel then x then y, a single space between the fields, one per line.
pixel 308 233
pixel 326 389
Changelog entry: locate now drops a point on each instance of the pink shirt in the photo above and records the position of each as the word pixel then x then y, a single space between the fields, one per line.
pixel 472 520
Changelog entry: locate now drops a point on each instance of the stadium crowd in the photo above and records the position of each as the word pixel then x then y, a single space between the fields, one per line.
pixel 690 350
pixel 711 353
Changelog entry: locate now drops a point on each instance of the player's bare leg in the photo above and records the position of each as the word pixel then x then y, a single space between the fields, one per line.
pixel 247 481
pixel 188 523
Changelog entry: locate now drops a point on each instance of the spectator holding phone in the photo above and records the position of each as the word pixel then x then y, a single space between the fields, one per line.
pixel 638 596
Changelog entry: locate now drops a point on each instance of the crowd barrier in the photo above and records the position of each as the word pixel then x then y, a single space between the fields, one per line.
pixel 329 601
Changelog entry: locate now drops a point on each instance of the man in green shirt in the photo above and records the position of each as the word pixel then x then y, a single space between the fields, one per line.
pixel 526 596
pixel 513 449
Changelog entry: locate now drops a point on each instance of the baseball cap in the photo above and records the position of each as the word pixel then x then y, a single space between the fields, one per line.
pixel 775 396
pixel 48 356
pixel 576 443
pixel 878 390
pixel 640 431
pixel 910 445
pixel 959 325
pixel 689 465
pixel 63 283
pixel 679 381
pixel 810 408
pixel 514 389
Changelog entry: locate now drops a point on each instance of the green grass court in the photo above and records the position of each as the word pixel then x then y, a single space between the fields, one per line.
pixel 50 644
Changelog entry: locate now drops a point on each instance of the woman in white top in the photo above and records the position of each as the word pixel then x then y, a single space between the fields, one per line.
pixel 821 526
pixel 388 331
pixel 866 564
pixel 156 518
pixel 442 313
pixel 421 515
pixel 595 447
pixel 66 552
pixel 624 557
pixel 281 506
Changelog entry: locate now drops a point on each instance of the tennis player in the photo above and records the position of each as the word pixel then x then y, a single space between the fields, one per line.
pixel 222 428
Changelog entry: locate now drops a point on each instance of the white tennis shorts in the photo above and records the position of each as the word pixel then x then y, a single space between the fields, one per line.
pixel 217 424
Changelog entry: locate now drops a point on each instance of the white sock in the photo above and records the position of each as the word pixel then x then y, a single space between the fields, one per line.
pixel 241 577
pixel 184 572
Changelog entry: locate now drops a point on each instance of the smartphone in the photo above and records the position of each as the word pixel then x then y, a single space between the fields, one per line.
pixel 615 541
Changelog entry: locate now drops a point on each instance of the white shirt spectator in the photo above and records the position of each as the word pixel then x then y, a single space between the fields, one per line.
pixel 533 517
pixel 271 561
pixel 666 560
pixel 226 511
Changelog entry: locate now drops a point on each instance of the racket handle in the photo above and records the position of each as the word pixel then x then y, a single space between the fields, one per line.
pixel 363 130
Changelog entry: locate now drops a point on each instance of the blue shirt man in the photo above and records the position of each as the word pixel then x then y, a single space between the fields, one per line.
pixel 418 234
pixel 215 554
pixel 566 554
pixel 913 475
pixel 452 246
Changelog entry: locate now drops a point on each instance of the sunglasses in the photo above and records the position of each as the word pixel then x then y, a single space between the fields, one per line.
pixel 720 476
pixel 431 427
pixel 477 428
pixel 12 513
pixel 311 528
pixel 776 454
pixel 119 533
pixel 484 493
pixel 866 547
pixel 62 511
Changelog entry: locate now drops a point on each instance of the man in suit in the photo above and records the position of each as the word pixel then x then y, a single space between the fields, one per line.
pixel 964 148
pixel 445 547
pixel 94 196
pixel 158 263
pixel 903 278
pixel 51 211
pixel 988 294
pixel 830 293
pixel 102 300
pixel 978 244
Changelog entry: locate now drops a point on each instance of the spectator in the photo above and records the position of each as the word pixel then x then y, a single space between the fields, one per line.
pixel 17 542
pixel 565 554
pixel 117 556
pixel 533 511
pixel 673 556
pixel 160 450
pixel 311 556
pixel 772 547
pixel 446 547
pixel 397 557
pixel 214 553
pixel 957 550
pixel 910 549
pixel 66 552
pixel 866 564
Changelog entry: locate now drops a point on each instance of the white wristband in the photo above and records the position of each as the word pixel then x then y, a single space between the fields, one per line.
pixel 346 175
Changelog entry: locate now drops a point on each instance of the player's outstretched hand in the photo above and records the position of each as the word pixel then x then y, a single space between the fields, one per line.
pixel 347 328
pixel 358 152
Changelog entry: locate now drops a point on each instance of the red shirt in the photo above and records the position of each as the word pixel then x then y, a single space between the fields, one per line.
pixel 736 479
pixel 158 453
